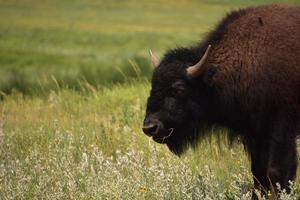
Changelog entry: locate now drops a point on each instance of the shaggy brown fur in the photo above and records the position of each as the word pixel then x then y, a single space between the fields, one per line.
pixel 263 59
pixel 251 86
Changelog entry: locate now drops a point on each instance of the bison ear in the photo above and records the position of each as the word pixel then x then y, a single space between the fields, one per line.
pixel 207 76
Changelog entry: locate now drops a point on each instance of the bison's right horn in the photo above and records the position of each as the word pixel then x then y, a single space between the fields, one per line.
pixel 197 69
pixel 154 60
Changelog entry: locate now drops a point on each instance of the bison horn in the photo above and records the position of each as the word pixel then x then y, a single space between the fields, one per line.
pixel 197 69
pixel 154 59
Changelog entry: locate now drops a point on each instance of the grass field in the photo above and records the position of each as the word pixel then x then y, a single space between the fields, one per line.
pixel 45 43
pixel 74 81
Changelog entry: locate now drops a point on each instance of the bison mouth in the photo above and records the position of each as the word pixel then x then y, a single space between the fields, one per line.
pixel 163 139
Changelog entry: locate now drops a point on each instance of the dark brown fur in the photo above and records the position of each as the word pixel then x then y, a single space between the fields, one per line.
pixel 259 76
pixel 251 86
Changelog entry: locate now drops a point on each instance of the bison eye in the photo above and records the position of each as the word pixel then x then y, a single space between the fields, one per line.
pixel 178 88
pixel 178 92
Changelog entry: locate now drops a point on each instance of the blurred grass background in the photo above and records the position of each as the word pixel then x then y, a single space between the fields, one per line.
pixel 50 43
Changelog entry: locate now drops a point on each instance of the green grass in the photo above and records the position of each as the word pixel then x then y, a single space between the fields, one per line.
pixel 58 143
pixel 101 42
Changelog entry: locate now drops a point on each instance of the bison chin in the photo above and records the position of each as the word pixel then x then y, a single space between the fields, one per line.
pixel 184 138
pixel 176 145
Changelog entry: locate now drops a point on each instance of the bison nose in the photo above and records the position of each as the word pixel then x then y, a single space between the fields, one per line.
pixel 151 129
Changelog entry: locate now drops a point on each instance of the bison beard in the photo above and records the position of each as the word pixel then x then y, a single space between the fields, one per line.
pixel 187 135
pixel 245 77
pixel 183 138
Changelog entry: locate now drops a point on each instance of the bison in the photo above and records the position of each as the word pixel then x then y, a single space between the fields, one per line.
pixel 245 77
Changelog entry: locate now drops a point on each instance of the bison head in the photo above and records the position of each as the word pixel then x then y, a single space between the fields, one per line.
pixel 179 99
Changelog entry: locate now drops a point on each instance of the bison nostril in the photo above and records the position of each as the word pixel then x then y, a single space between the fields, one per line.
pixel 150 129
pixel 153 129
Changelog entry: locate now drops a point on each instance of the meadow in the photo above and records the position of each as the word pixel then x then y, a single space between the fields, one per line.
pixel 74 79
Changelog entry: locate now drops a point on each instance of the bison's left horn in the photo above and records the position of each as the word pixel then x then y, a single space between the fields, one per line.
pixel 154 59
pixel 197 69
